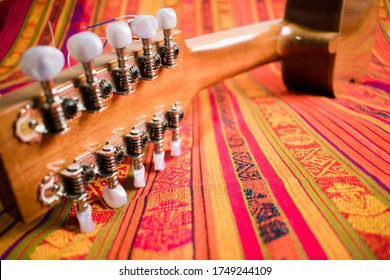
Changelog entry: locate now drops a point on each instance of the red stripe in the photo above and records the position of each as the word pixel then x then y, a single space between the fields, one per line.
pixel 308 240
pixel 248 237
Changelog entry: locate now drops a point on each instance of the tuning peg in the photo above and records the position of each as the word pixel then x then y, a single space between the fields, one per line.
pixel 84 217
pixel 74 182
pixel 119 37
pixel 156 129
pixel 174 117
pixel 135 141
pixel 145 27
pixel 167 20
pixel 113 194
pixel 43 63
pixel 85 47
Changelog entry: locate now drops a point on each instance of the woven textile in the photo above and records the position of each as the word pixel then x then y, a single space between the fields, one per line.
pixel 265 173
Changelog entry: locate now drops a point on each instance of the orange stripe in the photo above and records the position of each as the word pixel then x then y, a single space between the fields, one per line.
pixel 201 238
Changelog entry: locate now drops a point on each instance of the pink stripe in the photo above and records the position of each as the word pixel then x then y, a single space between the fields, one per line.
pixel 12 25
pixel 308 240
pixel 248 237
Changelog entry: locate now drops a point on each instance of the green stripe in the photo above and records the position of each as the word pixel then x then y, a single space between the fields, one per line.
pixel 40 233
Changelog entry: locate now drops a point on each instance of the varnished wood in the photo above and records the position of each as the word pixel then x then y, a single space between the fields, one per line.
pixel 202 61
pixel 321 71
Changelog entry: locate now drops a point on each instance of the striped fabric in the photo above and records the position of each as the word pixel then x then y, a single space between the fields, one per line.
pixel 265 173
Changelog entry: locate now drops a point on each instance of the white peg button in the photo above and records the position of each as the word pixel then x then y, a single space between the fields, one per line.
pixel 115 197
pixel 175 148
pixel 42 63
pixel 85 220
pixel 166 18
pixel 159 162
pixel 85 46
pixel 144 26
pixel 119 35
pixel 139 177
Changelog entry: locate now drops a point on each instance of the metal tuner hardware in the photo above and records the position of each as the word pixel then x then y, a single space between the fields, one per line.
pixel 70 184
pixel 167 20
pixel 107 157
pixel 52 112
pixel 85 47
pixel 43 63
pixel 135 141
pixel 156 130
pixel 119 37
pixel 145 27
pixel 174 117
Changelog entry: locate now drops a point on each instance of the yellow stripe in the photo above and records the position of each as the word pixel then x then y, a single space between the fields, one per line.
pixel 226 243
pixel 270 9
pixel 64 21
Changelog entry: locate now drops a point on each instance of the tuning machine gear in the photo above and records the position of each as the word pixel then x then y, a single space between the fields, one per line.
pixel 145 27
pixel 85 47
pixel 119 37
pixel 174 117
pixel 69 184
pixel 135 141
pixel 113 194
pixel 167 20
pixel 43 63
pixel 156 129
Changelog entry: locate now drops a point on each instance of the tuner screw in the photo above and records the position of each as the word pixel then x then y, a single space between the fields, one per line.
pixel 120 154
pixel 135 73
pixel 89 172
pixel 70 107
pixel 157 60
pixel 105 88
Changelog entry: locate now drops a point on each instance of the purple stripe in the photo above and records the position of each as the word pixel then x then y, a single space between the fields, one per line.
pixel 378 85
pixel 16 243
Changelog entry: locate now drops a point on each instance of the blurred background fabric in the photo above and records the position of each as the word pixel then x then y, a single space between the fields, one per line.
pixel 265 173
